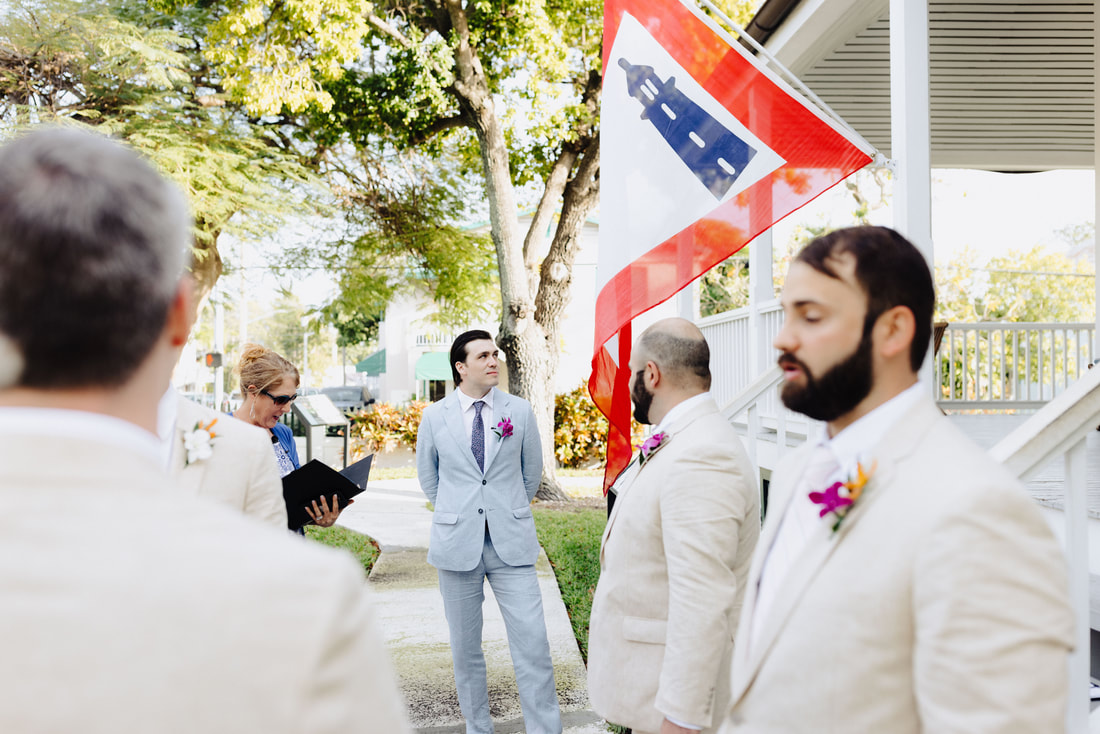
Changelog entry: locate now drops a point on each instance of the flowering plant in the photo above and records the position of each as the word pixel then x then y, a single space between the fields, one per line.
pixel 503 429
pixel 650 445
pixel 199 442
pixel 839 498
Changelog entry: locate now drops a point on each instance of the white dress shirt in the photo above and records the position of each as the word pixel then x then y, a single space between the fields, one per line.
pixel 487 421
pixel 855 444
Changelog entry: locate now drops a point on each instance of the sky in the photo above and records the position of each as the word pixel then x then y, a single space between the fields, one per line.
pixel 990 212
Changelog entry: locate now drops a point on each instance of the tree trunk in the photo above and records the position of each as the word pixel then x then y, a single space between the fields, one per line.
pixel 531 361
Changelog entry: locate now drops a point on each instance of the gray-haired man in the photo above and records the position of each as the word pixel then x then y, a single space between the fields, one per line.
pixel 128 607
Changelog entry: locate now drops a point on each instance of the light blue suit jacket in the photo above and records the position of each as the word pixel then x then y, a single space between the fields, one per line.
pixel 465 499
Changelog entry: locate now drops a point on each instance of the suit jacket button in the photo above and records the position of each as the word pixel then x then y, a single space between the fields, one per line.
pixel 483 482
pixel 480 511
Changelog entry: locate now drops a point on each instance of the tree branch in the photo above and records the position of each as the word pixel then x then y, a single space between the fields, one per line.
pixel 439 125
pixel 389 30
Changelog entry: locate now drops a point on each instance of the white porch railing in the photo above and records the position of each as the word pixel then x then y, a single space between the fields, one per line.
pixel 1060 429
pixel 434 340
pixel 1010 365
pixel 993 365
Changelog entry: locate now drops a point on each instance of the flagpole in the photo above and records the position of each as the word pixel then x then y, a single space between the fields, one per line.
pixel 787 74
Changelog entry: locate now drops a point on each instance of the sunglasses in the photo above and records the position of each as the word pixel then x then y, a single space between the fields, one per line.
pixel 280 399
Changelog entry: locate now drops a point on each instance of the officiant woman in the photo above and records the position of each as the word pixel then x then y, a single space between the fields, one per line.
pixel 269 384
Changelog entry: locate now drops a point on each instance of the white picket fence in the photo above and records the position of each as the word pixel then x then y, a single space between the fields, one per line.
pixel 979 366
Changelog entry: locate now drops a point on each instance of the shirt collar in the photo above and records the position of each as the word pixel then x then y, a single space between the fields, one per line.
pixel 467 402
pixel 80 424
pixel 857 442
pixel 680 409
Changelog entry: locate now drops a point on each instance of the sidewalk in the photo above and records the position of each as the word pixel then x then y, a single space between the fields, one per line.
pixel 406 592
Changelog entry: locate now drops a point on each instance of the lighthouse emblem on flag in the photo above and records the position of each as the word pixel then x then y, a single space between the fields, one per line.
pixel 713 152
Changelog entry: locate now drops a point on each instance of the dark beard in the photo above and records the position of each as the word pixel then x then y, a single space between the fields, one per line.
pixel 837 392
pixel 641 398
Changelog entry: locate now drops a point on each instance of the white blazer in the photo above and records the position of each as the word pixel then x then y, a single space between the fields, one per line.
pixel 939 606
pixel 129 607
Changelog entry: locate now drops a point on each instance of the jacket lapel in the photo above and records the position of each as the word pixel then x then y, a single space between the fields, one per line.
pixel 452 414
pixel 749 654
pixel 502 408
pixel 634 469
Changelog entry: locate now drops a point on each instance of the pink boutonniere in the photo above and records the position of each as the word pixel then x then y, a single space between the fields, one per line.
pixel 650 445
pixel 503 429
pixel 839 498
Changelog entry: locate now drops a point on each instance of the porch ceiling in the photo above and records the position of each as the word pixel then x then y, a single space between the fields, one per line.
pixel 1011 82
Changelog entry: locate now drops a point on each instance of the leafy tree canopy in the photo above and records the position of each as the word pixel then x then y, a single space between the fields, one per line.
pixel 1027 286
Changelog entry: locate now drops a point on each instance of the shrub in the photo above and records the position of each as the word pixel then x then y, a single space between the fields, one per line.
pixel 386 426
pixel 580 430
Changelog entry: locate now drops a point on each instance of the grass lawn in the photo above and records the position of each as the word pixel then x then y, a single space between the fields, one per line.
pixel 571 538
pixel 363 547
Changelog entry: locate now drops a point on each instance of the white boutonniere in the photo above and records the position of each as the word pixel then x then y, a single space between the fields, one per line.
pixel 199 442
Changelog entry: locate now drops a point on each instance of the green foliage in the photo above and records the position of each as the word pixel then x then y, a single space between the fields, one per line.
pixel 363 547
pixel 571 539
pixel 386 426
pixel 1036 286
pixel 1032 286
pixel 580 430
pixel 271 55
pixel 725 287
pixel 137 75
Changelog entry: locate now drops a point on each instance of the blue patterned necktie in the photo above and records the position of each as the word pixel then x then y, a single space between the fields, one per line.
pixel 477 436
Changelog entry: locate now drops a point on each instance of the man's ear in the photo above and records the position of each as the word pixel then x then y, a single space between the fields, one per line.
pixel 652 375
pixel 894 331
pixel 181 313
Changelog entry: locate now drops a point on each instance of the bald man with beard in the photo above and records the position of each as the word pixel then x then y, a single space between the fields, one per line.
pixel 676 549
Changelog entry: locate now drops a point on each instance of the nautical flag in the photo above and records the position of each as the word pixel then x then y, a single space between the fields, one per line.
pixel 702 149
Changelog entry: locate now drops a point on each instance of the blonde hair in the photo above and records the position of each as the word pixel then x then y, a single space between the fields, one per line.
pixel 263 368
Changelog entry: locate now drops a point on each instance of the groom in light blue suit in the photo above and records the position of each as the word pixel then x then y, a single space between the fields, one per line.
pixel 479 461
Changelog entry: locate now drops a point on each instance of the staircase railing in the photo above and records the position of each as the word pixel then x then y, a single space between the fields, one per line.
pixel 749 401
pixel 1060 429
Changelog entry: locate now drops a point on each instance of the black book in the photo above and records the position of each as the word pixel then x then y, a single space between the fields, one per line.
pixel 316 479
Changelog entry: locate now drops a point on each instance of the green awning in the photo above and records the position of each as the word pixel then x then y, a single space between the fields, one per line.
pixel 434 366
pixel 373 365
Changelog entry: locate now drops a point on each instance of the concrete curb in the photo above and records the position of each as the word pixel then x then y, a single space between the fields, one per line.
pixel 410 611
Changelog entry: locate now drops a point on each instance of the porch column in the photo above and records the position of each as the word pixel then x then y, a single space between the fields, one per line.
pixel 1096 174
pixel 910 129
pixel 761 290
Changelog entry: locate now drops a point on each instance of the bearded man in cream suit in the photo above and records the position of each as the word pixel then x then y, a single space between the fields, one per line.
pixel 129 606
pixel 675 551
pixel 237 467
pixel 925 595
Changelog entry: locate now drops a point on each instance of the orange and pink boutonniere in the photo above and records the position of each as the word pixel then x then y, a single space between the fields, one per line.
pixel 838 499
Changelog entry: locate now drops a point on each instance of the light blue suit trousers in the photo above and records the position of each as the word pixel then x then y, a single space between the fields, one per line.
pixel 482 529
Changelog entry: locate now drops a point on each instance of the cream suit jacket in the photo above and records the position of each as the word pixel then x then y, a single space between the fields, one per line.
pixel 675 554
pixel 129 607
pixel 939 606
pixel 241 472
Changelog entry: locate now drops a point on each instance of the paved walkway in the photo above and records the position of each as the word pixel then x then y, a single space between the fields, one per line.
pixel 395 513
